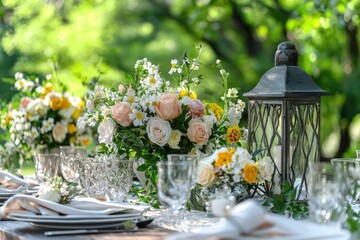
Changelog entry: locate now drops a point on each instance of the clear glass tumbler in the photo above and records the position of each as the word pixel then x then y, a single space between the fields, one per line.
pixel 70 157
pixel 119 174
pixel 46 166
pixel 92 177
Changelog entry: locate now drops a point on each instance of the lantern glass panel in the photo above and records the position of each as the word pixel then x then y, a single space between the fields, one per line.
pixel 303 139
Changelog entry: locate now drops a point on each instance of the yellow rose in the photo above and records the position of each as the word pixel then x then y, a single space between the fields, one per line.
pixel 217 110
pixel 65 103
pixel 251 173
pixel 224 158
pixel 233 134
pixel 49 87
pixel 55 102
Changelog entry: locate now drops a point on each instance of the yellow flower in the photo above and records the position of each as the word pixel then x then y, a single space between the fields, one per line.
pixel 56 102
pixel 233 134
pixel 48 88
pixel 72 139
pixel 65 103
pixel 217 110
pixel 193 95
pixel 84 140
pixel 78 110
pixel 71 128
pixel 251 173
pixel 183 93
pixel 224 158
pixel 5 121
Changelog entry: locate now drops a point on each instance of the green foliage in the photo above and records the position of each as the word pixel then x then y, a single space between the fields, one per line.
pixel 286 203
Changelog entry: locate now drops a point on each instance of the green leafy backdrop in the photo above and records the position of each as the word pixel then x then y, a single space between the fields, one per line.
pixel 80 39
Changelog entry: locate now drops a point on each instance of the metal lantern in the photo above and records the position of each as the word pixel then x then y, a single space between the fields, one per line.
pixel 284 119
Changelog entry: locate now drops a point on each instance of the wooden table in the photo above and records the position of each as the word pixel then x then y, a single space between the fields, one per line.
pixel 15 230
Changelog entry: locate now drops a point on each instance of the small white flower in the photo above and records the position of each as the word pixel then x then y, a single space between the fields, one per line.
pixel 153 81
pixel 195 64
pixel 218 61
pixel 232 93
pixel 19 75
pixel 173 68
pixel 139 118
pixel 47 125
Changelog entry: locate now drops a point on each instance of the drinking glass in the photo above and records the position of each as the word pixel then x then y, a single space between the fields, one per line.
pixel 346 168
pixel 46 166
pixel 174 185
pixel 69 166
pixel 92 177
pixel 178 158
pixel 326 205
pixel 119 174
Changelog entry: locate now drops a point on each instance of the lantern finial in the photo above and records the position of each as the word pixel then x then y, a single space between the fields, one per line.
pixel 286 54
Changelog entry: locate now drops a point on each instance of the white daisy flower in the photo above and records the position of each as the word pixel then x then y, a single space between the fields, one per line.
pixel 173 68
pixel 153 81
pixel 232 93
pixel 47 125
pixel 139 118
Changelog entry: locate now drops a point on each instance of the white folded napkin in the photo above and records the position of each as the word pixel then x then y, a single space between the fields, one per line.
pixel 31 205
pixel 10 183
pixel 249 220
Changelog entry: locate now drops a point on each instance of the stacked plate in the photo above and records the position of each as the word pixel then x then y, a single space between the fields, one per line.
pixel 77 221
pixel 5 195
pixel 80 213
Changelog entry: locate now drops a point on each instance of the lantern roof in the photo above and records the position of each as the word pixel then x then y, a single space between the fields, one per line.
pixel 286 79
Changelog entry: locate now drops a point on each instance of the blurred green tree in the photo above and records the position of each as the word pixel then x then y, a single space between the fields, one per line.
pixel 79 39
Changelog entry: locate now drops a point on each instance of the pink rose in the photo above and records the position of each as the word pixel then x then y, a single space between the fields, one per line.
pixel 196 108
pixel 168 107
pixel 25 101
pixel 120 113
pixel 198 132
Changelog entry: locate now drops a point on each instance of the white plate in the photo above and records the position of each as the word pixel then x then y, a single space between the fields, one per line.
pixel 67 221
pixel 74 217
pixel 78 226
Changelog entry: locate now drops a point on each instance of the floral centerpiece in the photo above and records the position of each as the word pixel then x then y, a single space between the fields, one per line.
pixel 237 169
pixel 151 117
pixel 39 116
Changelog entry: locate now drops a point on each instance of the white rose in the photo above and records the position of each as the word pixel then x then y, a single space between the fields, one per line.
pixel 233 116
pixel 205 174
pixel 266 168
pixel 158 131
pixel 174 139
pixel 59 132
pixel 50 194
pixel 37 107
pixel 209 120
pixel 106 131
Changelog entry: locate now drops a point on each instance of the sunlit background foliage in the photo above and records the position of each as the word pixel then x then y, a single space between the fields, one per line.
pixel 79 39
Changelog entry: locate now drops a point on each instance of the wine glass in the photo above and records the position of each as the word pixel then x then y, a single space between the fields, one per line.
pixel 176 158
pixel 326 205
pixel 174 186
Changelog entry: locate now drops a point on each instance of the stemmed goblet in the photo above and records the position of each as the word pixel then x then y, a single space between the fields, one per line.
pixel 174 186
